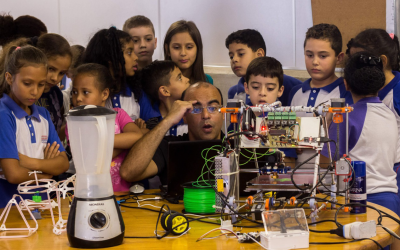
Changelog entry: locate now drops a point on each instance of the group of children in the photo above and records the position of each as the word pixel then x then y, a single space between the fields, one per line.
pixel 117 71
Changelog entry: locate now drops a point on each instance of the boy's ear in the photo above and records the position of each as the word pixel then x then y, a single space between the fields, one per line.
pixel 8 77
pixel 340 58
pixel 155 43
pixel 385 61
pixel 280 91
pixel 105 94
pixel 260 52
pixel 246 88
pixel 164 91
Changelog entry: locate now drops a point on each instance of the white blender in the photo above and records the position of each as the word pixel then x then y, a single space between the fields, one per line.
pixel 95 219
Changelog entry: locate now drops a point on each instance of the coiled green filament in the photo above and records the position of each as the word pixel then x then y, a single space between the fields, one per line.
pixel 198 199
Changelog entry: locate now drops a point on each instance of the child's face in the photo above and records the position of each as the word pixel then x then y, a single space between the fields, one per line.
pixel 27 85
pixel 177 84
pixel 183 50
pixel 320 58
pixel 262 89
pixel 131 64
pixel 57 67
pixel 144 42
pixel 86 92
pixel 241 56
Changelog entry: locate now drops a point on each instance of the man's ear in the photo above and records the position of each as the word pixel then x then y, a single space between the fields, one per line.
pixel 164 91
pixel 155 43
pixel 340 58
pixel 105 94
pixel 280 91
pixel 246 88
pixel 260 52
pixel 8 77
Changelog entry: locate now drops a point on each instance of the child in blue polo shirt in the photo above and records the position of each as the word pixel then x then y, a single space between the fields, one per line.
pixel 165 84
pixel 372 130
pixel 386 46
pixel 26 130
pixel 323 53
pixel 244 46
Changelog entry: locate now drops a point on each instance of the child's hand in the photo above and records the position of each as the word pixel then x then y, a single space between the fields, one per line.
pixel 140 123
pixel 27 162
pixel 51 151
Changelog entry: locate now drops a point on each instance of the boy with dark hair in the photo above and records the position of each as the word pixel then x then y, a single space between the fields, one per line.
pixel 263 81
pixel 264 84
pixel 323 52
pixel 142 32
pixel 244 46
pixel 165 84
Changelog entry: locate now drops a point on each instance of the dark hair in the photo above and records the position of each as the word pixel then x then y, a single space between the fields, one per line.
pixel 183 26
pixel 77 56
pixel 329 32
pixel 378 42
pixel 23 26
pixel 198 85
pixel 154 76
pixel 106 48
pixel 252 38
pixel 364 74
pixel 103 76
pixel 266 67
pixel 15 58
pixel 138 21
pixel 53 45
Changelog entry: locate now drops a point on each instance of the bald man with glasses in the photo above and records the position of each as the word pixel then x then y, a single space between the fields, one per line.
pixel 199 109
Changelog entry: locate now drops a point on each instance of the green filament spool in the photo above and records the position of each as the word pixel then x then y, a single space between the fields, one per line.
pixel 199 197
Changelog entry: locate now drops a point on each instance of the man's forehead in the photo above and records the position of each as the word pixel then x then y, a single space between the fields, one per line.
pixel 203 94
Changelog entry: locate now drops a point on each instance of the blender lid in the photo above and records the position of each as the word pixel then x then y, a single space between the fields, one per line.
pixel 90 110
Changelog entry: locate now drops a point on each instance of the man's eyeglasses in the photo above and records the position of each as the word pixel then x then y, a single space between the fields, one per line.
pixel 210 109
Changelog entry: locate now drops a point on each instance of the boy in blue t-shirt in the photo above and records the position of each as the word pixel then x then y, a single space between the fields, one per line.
pixel 244 46
pixel 165 84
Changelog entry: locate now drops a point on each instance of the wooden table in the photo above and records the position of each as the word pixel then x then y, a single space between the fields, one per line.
pixel 140 222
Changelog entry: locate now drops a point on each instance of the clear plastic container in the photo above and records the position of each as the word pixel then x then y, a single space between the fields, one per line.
pixel 285 229
pixel 91 137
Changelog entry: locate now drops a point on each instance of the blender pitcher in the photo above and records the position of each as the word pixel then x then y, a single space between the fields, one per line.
pixel 95 219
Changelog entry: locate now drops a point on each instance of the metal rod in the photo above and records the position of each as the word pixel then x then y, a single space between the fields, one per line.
pixel 347 132
pixel 300 171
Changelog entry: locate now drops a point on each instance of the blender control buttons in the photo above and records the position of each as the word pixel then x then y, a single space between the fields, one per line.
pixel 98 220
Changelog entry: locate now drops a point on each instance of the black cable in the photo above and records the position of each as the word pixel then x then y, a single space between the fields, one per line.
pixel 297 167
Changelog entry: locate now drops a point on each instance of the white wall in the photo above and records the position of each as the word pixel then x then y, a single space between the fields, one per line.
pixel 282 23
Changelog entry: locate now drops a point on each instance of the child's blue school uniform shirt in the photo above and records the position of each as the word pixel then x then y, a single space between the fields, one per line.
pixel 373 137
pixel 127 101
pixel 390 95
pixel 304 95
pixel 237 91
pixel 25 134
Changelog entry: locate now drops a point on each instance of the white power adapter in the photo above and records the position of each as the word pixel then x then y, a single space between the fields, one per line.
pixel 359 230
pixel 226 224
